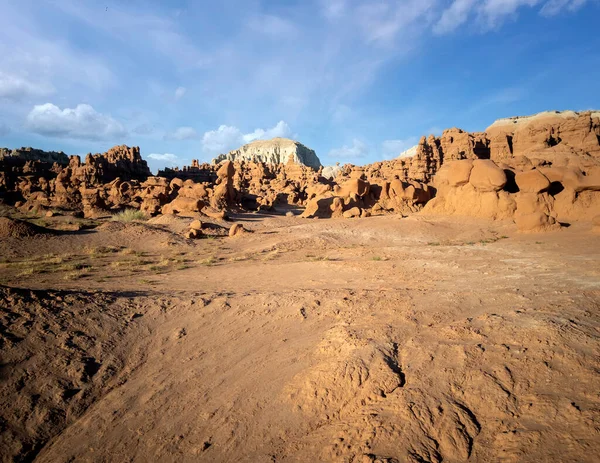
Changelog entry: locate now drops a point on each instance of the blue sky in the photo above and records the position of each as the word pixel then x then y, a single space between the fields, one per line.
pixel 358 81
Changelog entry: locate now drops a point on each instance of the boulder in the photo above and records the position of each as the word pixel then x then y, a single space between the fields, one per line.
pixel 354 188
pixel 219 215
pixel 186 205
pixel 532 181
pixel 535 222
pixel 193 234
pixel 237 229
pixel 196 225
pixel 486 176
pixel 459 172
pixel 352 213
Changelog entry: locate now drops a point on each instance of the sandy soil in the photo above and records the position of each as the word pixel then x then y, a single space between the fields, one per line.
pixel 385 339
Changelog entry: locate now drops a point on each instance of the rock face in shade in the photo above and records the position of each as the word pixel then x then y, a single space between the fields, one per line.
pixel 22 155
pixel 275 151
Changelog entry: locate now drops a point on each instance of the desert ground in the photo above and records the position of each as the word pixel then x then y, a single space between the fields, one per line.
pixel 388 339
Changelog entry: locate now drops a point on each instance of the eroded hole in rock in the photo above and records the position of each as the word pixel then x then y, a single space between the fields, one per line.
pixel 555 188
pixel 511 185
pixel 553 141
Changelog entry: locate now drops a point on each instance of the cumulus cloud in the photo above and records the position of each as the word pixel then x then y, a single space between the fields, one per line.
pixel 222 140
pixel 394 148
pixel 227 138
pixel 281 129
pixel 183 133
pixel 168 159
pixel 16 88
pixel 357 150
pixel 180 92
pixel 82 122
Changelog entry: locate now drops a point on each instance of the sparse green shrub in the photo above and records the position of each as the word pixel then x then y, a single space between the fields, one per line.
pixel 129 215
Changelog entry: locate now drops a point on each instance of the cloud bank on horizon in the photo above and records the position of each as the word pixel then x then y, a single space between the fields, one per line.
pixel 356 80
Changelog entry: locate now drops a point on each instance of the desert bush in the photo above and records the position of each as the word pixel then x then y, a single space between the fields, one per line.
pixel 129 215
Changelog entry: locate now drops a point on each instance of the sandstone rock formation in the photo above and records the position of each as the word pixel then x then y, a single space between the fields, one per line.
pixel 563 138
pixel 20 156
pixel 275 151
pixel 39 179
pixel 539 171
pixel 537 199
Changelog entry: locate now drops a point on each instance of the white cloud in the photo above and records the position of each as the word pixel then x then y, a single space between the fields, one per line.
pixel 281 129
pixel 357 150
pixel 554 7
pixel 492 13
pixel 227 138
pixel 166 158
pixel 183 133
pixel 222 140
pixel 394 148
pixel 454 16
pixel 180 92
pixel 82 122
pixel 383 21
pixel 16 88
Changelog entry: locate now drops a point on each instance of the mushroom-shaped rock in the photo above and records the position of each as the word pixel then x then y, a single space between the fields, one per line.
pixel 487 176
pixel 532 181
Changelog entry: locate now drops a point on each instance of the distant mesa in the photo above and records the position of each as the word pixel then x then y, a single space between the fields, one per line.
pixel 274 151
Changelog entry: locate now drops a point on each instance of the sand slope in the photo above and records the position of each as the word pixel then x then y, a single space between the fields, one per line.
pixel 384 339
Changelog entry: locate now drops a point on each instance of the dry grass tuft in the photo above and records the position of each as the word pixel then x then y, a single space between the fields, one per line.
pixel 129 215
